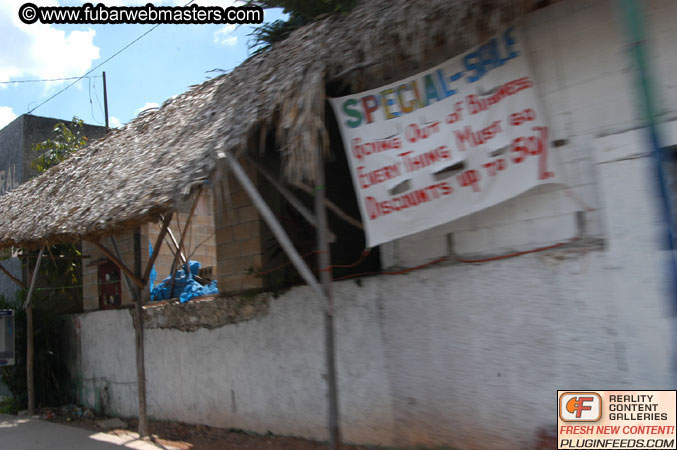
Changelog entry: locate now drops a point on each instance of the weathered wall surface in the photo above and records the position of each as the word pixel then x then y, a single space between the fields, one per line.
pixel 11 156
pixel 466 355
pixel 263 374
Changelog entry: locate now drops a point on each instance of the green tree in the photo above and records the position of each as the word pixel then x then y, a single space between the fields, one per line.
pixel 53 151
pixel 63 269
pixel 301 12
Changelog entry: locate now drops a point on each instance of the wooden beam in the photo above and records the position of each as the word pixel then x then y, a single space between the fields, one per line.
pixel 126 270
pixel 30 346
pixel 137 254
pixel 12 277
pixel 273 224
pixel 156 247
pixel 35 276
pixel 172 239
pixel 332 206
pixel 135 292
pixel 287 194
pixel 128 282
pixel 324 267
pixel 306 274
pixel 184 232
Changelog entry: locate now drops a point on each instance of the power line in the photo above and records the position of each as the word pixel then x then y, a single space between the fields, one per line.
pixel 91 104
pixel 47 79
pixel 96 67
pixel 96 96
pixel 102 63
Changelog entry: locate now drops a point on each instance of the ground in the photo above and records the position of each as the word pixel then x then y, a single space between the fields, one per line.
pixel 199 437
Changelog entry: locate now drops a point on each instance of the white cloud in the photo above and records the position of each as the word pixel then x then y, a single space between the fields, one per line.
pixel 6 115
pixel 146 106
pixel 114 122
pixel 223 36
pixel 42 51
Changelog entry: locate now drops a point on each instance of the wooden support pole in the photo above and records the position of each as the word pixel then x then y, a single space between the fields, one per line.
pixel 12 277
pixel 105 98
pixel 116 260
pixel 30 349
pixel 156 248
pixel 128 282
pixel 273 224
pixel 333 208
pixel 33 278
pixel 139 346
pixel 137 255
pixel 176 244
pixel 324 263
pixel 184 232
pixel 287 194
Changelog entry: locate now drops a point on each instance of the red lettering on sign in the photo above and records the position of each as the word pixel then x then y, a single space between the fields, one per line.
pixel 469 178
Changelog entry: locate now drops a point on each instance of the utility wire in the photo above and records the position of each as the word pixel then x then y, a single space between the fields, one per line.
pixel 103 62
pixel 96 96
pixel 91 104
pixel 96 67
pixel 48 79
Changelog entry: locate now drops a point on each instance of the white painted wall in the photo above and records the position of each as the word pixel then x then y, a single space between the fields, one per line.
pixel 467 355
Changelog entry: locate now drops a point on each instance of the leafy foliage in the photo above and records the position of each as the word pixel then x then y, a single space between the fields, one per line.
pixel 301 12
pixel 63 265
pixel 53 151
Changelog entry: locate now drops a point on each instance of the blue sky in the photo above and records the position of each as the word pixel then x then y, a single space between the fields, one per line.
pixel 164 63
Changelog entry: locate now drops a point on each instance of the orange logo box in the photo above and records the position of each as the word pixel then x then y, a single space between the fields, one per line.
pixel 580 407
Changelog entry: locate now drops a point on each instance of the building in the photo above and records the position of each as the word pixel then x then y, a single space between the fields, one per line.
pixel 562 287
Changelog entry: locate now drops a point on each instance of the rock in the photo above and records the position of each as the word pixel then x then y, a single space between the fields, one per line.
pixel 111 424
pixel 23 413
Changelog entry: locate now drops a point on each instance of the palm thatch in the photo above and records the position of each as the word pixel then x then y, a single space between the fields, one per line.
pixel 137 172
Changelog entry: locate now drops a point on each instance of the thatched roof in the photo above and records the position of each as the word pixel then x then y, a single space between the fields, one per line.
pixel 135 173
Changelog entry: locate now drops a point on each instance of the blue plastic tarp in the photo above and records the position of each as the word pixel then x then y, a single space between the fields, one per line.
pixel 185 286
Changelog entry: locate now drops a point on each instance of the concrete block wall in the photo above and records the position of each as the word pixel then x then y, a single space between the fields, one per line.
pixel 238 240
pixel 200 241
pixel 90 288
pixel 230 244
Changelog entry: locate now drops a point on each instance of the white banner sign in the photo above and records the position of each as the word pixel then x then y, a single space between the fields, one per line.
pixel 445 143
